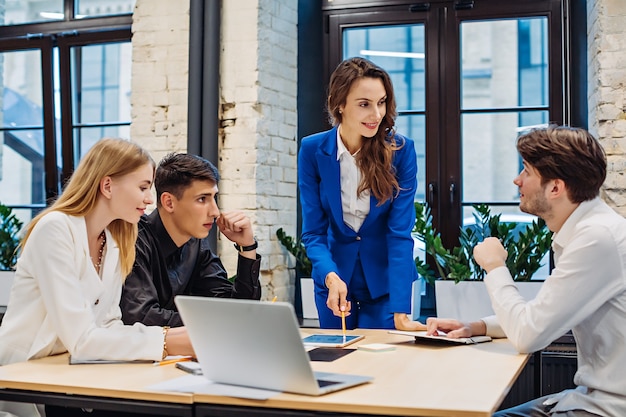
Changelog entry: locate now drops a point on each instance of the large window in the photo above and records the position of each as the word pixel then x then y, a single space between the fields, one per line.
pixel 469 76
pixel 64 83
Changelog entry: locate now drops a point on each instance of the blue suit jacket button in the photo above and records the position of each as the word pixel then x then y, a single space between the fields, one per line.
pixel 358 238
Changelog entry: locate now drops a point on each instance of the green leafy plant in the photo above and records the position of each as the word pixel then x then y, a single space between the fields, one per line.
pixel 10 227
pixel 296 248
pixel 525 249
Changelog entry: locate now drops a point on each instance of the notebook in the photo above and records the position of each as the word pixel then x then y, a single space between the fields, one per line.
pixel 254 344
pixel 441 338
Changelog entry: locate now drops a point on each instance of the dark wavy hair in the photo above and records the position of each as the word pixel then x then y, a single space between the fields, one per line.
pixel 376 155
pixel 567 153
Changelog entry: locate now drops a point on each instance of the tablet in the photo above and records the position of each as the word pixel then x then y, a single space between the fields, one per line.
pixel 330 340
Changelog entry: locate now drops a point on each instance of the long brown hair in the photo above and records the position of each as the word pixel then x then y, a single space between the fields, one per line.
pixel 376 155
pixel 108 157
pixel 567 153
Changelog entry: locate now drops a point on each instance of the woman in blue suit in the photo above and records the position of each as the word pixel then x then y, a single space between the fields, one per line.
pixel 357 184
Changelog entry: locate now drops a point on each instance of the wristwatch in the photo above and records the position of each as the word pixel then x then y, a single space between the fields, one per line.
pixel 247 248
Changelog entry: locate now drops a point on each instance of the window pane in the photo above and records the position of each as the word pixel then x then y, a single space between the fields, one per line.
pixel 101 83
pixel 490 159
pixel 84 138
pixel 504 63
pixel 414 127
pixel 400 51
pixel 17 12
pixel 21 88
pixel 21 130
pixel 92 8
pixel 22 177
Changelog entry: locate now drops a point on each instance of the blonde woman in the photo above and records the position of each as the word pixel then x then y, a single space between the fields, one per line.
pixel 74 257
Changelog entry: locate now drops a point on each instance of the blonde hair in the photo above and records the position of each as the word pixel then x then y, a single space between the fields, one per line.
pixel 110 157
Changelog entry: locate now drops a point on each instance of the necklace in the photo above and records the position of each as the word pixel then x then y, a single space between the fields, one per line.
pixel 103 238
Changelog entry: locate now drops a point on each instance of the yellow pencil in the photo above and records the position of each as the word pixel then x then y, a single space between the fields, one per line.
pixel 343 325
pixel 274 299
pixel 174 360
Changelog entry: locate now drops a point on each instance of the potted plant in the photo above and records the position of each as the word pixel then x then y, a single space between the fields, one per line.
pixel 10 227
pixel 456 268
pixel 304 269
pixel 296 248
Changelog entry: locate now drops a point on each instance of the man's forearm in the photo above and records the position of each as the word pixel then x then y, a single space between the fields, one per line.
pixel 247 283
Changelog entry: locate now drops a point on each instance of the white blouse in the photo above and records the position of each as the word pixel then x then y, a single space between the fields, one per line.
pixel 355 208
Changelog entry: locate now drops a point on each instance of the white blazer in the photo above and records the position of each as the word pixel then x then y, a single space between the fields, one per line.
pixel 58 302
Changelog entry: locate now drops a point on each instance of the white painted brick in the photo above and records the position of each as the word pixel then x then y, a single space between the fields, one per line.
pixel 290 175
pixel 271 218
pixel 619 130
pixel 615 7
pixel 608 112
pixel 614 146
pixel 606 74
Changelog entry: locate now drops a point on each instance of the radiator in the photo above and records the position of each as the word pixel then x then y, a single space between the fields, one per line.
pixel 557 368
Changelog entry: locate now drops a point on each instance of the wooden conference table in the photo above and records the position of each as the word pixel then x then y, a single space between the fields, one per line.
pixel 412 380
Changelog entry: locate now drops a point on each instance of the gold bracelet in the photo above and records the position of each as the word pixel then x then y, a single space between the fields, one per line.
pixel 165 330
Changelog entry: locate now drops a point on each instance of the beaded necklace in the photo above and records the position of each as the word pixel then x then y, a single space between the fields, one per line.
pixel 103 238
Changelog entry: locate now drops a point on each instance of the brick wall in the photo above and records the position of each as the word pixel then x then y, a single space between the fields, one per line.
pixel 160 75
pixel 258 135
pixel 606 39
pixel 257 142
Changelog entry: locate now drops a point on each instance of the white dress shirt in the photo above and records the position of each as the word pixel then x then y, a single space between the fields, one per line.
pixel 355 208
pixel 586 293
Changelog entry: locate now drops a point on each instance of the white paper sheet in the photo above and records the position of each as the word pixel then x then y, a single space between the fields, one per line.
pixel 200 385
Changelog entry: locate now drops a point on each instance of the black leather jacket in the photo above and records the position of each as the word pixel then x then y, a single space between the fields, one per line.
pixel 162 270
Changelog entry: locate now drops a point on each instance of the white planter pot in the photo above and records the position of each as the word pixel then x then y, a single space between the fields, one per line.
pixel 419 289
pixel 6 281
pixel 307 291
pixel 469 300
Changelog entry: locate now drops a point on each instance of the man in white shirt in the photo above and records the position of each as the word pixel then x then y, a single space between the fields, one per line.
pixel 564 168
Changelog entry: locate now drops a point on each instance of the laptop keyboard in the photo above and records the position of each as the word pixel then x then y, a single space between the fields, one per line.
pixel 324 383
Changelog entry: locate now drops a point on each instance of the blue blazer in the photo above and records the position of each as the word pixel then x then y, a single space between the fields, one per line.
pixel 384 242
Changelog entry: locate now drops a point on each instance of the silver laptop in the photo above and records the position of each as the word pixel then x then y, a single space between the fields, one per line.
pixel 254 344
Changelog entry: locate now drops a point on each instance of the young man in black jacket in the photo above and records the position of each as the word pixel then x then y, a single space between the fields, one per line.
pixel 173 256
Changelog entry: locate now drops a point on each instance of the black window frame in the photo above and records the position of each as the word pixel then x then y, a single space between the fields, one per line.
pixel 62 34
